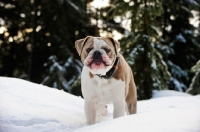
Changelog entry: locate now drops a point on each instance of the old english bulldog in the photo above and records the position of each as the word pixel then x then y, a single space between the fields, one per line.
pixel 106 78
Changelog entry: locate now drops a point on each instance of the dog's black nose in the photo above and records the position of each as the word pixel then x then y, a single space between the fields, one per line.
pixel 97 55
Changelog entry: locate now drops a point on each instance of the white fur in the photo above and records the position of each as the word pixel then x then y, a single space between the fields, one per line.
pixel 98 92
pixel 98 43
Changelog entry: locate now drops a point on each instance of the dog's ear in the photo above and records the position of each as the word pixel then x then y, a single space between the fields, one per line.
pixel 79 44
pixel 116 44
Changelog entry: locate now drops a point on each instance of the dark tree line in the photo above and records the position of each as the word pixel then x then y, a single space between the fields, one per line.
pixel 36 30
pixel 37 40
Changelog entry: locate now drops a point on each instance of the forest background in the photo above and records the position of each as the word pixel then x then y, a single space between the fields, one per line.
pixel 160 39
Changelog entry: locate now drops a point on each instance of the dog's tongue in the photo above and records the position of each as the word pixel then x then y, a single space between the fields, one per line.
pixel 97 65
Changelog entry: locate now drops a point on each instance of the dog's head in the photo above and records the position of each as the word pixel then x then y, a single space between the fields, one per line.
pixel 97 53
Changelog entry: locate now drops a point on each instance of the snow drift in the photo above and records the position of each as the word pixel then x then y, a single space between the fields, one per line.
pixel 29 107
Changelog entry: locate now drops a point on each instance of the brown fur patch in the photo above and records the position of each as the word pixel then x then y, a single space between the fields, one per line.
pixel 79 44
pixel 125 74
pixel 89 44
pixel 122 70
pixel 91 75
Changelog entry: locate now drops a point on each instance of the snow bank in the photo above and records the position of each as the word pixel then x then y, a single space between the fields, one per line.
pixel 171 120
pixel 29 107
pixel 167 93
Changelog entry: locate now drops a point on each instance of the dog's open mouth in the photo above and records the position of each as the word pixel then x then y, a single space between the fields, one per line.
pixel 97 64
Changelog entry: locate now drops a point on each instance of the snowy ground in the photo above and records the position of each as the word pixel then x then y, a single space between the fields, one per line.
pixel 29 107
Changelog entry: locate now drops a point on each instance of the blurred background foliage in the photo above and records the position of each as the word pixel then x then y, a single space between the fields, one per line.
pixel 159 39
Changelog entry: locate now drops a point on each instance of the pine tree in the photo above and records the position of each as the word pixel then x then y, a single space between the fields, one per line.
pixel 150 71
pixel 179 36
pixel 194 88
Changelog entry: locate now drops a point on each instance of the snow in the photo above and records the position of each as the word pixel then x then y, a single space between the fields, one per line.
pixel 168 93
pixel 181 38
pixel 153 64
pixel 29 107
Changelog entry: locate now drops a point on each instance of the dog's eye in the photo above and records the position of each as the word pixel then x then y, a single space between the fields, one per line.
pixel 89 49
pixel 107 50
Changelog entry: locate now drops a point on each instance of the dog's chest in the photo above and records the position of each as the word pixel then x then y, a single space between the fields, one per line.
pixel 105 90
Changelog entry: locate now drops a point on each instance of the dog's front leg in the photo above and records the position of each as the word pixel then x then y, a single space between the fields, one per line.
pixel 119 109
pixel 90 112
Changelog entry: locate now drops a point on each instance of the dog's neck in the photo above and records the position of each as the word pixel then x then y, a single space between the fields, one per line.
pixel 111 72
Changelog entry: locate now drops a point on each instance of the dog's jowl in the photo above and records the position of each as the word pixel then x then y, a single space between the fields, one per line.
pixel 106 78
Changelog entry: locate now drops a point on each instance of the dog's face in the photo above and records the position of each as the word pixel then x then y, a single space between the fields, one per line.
pixel 97 53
